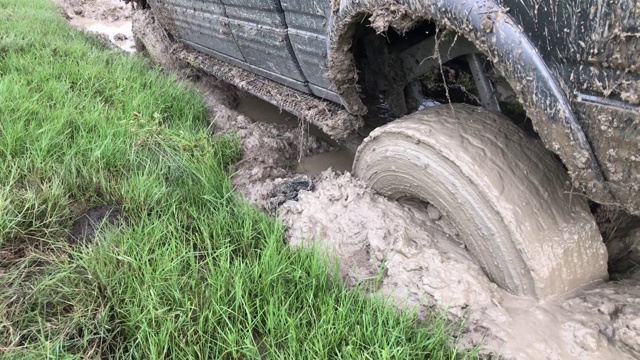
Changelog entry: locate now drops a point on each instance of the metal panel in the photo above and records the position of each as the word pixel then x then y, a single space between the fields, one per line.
pixel 260 31
pixel 325 94
pixel 311 52
pixel 267 48
pixel 203 23
pixel 263 12
pixel 284 80
pixel 307 22
pixel 307 15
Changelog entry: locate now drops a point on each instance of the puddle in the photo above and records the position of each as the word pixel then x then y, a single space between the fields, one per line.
pixel 261 111
pixel 119 32
pixel 110 18
pixel 340 160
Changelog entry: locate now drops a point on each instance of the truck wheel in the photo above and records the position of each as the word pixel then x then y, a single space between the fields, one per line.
pixel 507 196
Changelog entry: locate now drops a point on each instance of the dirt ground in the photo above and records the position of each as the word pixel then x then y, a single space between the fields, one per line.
pixel 405 251
pixel 110 19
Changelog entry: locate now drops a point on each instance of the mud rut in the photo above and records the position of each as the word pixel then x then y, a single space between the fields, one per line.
pixel 405 251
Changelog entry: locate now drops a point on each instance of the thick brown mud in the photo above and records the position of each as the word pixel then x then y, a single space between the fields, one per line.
pixel 336 158
pixel 411 255
pixel 110 19
pixel 406 251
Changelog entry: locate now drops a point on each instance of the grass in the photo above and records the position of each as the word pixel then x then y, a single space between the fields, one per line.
pixel 197 273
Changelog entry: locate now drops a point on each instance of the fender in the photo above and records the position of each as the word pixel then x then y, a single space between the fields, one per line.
pixel 495 33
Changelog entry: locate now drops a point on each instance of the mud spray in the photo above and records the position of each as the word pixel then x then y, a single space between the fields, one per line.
pixel 405 251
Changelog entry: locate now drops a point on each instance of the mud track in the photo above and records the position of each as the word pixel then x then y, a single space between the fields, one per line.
pixel 406 251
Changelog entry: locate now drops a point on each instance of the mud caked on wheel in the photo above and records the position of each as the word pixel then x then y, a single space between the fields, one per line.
pixel 508 197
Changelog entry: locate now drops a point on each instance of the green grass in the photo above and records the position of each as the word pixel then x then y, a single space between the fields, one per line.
pixel 198 273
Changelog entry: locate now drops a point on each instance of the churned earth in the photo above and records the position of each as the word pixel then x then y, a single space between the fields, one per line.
pixel 110 19
pixel 404 250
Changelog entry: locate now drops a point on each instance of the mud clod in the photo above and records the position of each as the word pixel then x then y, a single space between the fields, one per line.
pixel 397 16
pixel 434 213
pixel 288 189
pixel 88 227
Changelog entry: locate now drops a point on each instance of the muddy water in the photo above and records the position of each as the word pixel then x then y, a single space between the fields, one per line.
pixel 119 32
pixel 110 18
pixel 340 160
pixel 264 112
pixel 261 111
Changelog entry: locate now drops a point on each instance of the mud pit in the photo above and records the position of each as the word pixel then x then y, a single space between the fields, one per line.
pixel 109 19
pixel 338 159
pixel 405 251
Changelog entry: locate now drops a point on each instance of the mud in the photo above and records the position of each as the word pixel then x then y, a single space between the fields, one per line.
pixel 408 251
pixel 405 254
pixel 108 18
pixel 336 158
pixel 514 209
pixel 96 221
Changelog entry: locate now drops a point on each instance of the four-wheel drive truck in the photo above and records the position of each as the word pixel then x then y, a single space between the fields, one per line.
pixel 520 198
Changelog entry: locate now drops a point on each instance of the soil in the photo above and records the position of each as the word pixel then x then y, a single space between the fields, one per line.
pixel 94 222
pixel 110 19
pixel 403 250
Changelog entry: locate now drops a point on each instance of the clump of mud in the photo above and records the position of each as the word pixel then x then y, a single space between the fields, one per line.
pixel 89 225
pixel 270 151
pixel 410 254
pixel 378 239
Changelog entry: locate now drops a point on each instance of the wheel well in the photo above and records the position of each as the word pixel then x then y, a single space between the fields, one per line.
pixel 491 28
pixel 381 62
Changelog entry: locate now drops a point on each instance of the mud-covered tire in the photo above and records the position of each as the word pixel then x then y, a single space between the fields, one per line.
pixel 507 196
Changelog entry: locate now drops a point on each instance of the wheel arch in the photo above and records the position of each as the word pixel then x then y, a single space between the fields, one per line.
pixel 494 32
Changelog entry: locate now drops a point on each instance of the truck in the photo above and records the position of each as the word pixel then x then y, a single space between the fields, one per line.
pixel 535 123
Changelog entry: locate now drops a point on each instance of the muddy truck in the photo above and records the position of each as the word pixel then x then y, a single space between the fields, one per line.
pixel 515 118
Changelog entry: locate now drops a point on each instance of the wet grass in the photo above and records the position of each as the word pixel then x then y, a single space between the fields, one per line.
pixel 197 273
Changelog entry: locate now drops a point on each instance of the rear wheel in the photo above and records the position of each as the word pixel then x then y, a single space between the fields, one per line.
pixel 508 197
